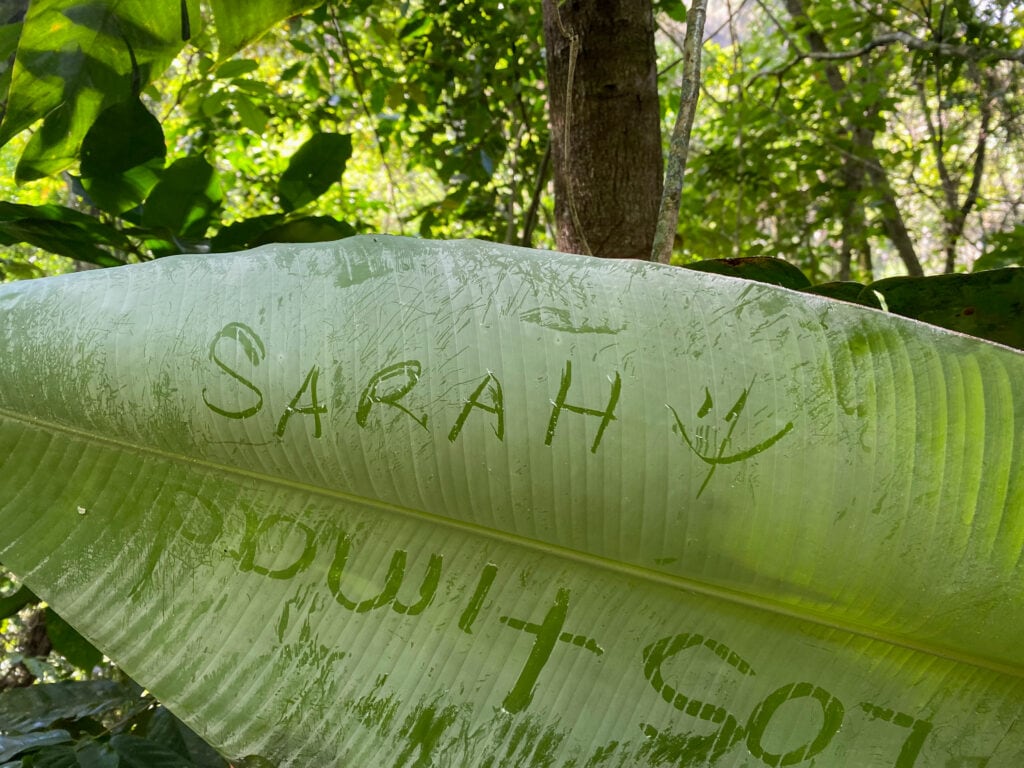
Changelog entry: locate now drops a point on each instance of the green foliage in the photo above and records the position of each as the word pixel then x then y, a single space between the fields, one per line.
pixel 62 230
pixel 95 724
pixel 825 161
pixel 74 59
pixel 146 209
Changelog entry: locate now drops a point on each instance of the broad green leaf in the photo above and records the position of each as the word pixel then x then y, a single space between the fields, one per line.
pixel 314 167
pixel 11 746
pixel 989 304
pixel 28 709
pixel 306 229
pixel 762 269
pixel 240 22
pixel 244 233
pixel 394 502
pixel 73 60
pixel 845 291
pixel 61 230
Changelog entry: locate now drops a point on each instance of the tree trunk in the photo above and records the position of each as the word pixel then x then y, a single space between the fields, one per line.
pixel 605 125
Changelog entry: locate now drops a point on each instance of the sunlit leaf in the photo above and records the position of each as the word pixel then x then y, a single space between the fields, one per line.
pixel 236 67
pixel 240 22
pixel 394 502
pixel 73 60
pixel 252 117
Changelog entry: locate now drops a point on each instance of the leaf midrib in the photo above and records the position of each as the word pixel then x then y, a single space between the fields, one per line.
pixel 705 589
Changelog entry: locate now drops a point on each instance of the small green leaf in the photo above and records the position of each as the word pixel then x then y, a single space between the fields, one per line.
pixel 252 117
pixel 12 746
pixel 185 198
pixel 236 67
pixel 418 26
pixel 28 709
pixel 69 643
pixel 11 604
pixel 122 155
pixel 317 164
pixel 761 269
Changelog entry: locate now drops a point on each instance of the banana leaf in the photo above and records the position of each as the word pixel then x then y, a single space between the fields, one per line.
pixel 405 503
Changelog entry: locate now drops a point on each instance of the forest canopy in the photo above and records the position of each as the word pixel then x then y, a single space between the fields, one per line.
pixel 853 139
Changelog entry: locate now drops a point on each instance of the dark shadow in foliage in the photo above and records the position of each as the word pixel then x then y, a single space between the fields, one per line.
pixel 314 167
pixel 278 228
pixel 846 290
pixel 183 202
pixel 122 156
pixel 96 723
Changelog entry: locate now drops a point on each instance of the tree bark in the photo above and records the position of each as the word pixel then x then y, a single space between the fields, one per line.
pixel 605 125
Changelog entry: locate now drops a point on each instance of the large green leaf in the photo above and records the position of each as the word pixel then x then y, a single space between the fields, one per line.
pixel 74 58
pixel 393 502
pixel 62 230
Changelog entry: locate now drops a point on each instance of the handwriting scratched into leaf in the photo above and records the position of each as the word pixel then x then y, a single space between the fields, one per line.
pixel 706 434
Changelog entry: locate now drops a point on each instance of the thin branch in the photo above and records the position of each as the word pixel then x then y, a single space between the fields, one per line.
pixel 530 222
pixel 967 52
pixel 357 82
pixel 679 145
